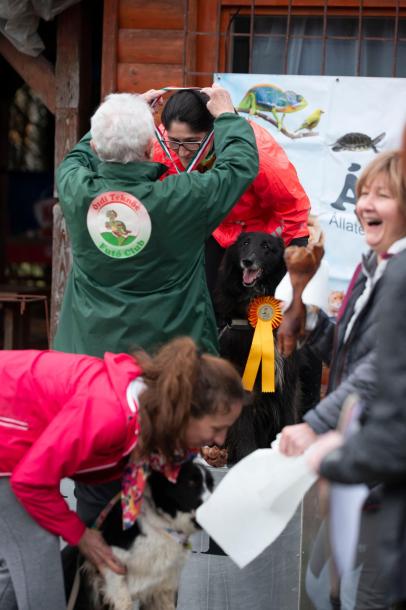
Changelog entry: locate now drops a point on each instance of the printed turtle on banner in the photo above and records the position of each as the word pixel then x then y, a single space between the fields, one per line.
pixel 270 98
pixel 357 141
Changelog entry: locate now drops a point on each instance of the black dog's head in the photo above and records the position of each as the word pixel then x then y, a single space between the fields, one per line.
pixel 252 266
pixel 260 257
pixel 193 486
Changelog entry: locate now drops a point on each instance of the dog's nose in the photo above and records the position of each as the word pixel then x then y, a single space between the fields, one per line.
pixel 247 262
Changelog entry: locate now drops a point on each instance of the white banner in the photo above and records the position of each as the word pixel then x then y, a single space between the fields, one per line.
pixel 330 128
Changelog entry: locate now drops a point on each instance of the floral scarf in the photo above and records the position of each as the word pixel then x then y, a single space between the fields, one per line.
pixel 135 477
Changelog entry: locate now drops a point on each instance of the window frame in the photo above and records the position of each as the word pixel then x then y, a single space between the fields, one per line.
pixel 362 9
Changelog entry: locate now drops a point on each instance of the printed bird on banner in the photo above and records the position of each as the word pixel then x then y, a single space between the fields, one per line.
pixel 312 120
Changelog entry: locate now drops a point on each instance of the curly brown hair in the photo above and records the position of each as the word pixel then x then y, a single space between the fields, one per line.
pixel 181 383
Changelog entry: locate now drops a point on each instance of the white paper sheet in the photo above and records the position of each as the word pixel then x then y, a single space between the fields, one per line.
pixel 346 503
pixel 254 502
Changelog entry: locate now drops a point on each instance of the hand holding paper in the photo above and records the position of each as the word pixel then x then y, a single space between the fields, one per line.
pixel 295 439
pixel 254 502
pixel 323 446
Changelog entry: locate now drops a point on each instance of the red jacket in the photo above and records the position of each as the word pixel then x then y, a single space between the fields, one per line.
pixel 63 415
pixel 275 202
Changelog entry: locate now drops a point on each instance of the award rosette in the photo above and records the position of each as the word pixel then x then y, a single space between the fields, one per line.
pixel 264 314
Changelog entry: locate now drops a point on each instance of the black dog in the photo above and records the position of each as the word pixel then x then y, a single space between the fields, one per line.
pixel 153 550
pixel 253 267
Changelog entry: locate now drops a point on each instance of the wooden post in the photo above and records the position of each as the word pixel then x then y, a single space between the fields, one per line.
pixel 109 53
pixel 72 76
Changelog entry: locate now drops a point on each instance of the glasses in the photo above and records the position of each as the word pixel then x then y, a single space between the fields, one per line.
pixel 189 146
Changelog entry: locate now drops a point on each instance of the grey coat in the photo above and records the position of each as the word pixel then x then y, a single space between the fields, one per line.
pixel 352 359
pixel 377 453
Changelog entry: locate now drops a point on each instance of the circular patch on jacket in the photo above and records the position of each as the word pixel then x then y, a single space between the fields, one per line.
pixel 118 224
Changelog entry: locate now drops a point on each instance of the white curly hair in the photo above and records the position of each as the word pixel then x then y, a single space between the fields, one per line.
pixel 122 128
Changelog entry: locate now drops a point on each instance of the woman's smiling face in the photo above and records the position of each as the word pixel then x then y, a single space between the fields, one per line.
pixel 182 132
pixel 380 215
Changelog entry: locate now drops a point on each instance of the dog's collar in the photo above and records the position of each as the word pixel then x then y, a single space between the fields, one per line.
pixel 239 322
pixel 175 535
pixel 235 323
pixel 178 537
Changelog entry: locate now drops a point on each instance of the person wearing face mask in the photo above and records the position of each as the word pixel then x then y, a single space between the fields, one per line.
pixel 351 349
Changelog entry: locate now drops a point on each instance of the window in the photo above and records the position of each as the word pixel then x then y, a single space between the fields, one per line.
pixel 318 44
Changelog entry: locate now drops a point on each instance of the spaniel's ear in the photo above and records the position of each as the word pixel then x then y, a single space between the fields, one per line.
pixel 229 276
pixel 228 284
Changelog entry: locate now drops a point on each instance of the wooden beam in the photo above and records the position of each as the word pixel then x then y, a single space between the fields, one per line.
pixel 156 14
pixel 72 73
pixel 137 78
pixel 109 51
pixel 73 82
pixel 150 46
pixel 206 44
pixel 37 72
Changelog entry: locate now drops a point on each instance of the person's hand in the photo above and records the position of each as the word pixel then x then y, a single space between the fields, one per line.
pixel 291 328
pixel 322 447
pixel 302 262
pixel 219 100
pixel 296 439
pixel 93 546
pixel 315 232
pixel 154 97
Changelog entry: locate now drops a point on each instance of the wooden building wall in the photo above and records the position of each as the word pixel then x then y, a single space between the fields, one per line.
pixel 183 42
pixel 155 43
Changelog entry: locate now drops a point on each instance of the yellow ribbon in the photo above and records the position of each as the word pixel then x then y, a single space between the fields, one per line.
pixel 264 314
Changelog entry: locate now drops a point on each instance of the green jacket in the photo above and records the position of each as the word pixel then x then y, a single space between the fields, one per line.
pixel 138 276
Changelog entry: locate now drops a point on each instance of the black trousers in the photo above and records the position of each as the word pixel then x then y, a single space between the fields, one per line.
pixel 91 499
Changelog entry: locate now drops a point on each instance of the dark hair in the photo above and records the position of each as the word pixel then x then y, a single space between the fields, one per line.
pixel 181 383
pixel 188 107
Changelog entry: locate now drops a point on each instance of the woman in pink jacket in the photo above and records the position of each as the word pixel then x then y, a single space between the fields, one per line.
pixel 68 415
